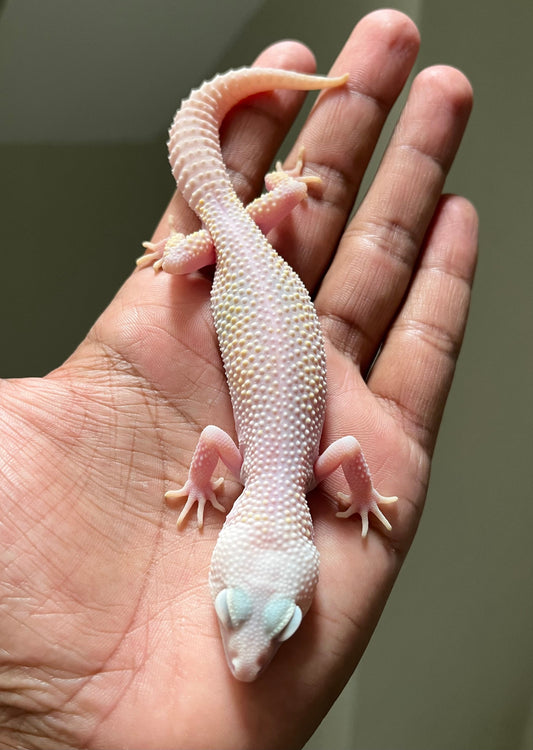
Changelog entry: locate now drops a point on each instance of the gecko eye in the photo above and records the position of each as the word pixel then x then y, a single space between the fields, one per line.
pixel 233 607
pixel 281 618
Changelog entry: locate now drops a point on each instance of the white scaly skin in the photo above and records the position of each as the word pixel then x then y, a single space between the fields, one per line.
pixel 264 569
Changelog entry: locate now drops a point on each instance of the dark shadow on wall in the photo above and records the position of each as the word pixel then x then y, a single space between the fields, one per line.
pixel 73 219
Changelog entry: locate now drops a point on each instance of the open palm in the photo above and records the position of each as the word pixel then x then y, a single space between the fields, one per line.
pixel 108 634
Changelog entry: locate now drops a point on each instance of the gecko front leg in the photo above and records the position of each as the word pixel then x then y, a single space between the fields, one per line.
pixel 363 498
pixel 213 444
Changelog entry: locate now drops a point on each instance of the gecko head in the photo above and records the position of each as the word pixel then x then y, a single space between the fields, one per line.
pixel 252 634
pixel 261 603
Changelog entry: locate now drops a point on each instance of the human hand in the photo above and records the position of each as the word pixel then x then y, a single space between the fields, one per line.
pixel 109 636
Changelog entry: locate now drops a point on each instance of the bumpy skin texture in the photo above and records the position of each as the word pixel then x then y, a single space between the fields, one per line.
pixel 264 569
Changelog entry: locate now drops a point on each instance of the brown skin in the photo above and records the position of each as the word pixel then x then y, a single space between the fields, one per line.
pixel 108 632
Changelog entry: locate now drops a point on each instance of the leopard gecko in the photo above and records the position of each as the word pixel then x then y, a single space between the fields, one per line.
pixel 264 568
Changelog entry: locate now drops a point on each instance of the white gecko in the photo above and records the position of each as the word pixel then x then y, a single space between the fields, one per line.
pixel 264 568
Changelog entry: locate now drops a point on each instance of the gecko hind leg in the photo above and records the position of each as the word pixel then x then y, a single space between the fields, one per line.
pixel 182 254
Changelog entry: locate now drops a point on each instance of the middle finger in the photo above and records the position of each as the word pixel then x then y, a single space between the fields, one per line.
pixel 340 135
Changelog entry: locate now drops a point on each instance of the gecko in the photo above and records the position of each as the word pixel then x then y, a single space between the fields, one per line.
pixel 264 567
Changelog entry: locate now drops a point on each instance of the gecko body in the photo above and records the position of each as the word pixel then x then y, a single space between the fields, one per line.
pixel 264 568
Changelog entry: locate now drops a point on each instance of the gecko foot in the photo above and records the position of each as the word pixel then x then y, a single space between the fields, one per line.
pixel 155 251
pixel 196 494
pixel 365 508
pixel 295 172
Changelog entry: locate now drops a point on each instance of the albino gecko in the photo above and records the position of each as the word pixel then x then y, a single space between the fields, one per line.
pixel 264 568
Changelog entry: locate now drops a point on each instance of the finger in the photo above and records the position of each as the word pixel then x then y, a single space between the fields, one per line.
pixel 413 373
pixel 252 133
pixel 374 264
pixel 340 135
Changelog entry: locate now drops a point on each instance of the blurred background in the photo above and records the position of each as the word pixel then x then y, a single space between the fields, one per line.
pixel 87 91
